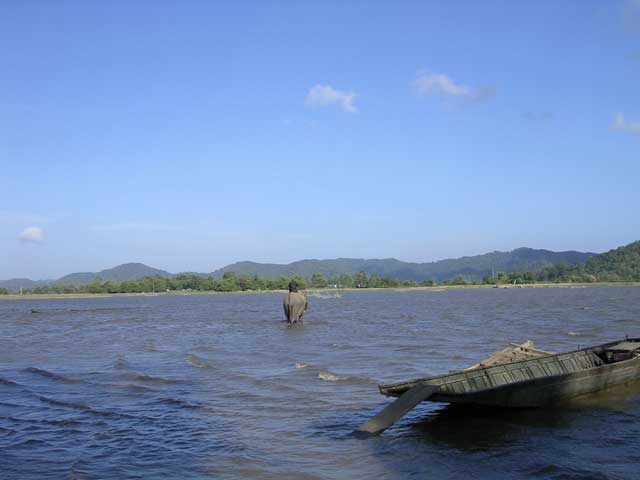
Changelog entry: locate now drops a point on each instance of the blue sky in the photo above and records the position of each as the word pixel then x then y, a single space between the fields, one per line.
pixel 188 135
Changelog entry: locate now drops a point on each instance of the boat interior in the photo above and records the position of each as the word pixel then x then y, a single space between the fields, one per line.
pixel 618 352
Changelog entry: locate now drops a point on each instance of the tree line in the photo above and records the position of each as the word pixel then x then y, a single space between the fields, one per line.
pixel 619 265
pixel 230 282
pixel 233 282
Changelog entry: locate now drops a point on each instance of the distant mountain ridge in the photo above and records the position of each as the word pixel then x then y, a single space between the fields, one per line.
pixel 472 267
pixel 126 271
pixel 15 284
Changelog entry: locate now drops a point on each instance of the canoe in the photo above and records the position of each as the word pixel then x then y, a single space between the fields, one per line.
pixel 536 382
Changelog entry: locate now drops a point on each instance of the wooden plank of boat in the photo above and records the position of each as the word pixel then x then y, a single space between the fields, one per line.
pixel 395 411
pixel 626 346
pixel 511 354
pixel 528 347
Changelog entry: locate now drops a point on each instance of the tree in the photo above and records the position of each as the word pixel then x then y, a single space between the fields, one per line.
pixel 318 281
pixel 229 275
pixel 488 279
pixel 360 280
pixel 459 280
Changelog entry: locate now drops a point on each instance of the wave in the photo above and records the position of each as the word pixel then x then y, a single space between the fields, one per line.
pixel 81 407
pixel 328 376
pixel 331 377
pixel 121 363
pixel 342 345
pixel 31 442
pixel 133 388
pixel 325 296
pixel 459 357
pixel 4 381
pixel 574 334
pixel 178 402
pixel 198 362
pixel 53 376
pixel 150 379
pixel 103 309
pixel 63 423
pixel 626 321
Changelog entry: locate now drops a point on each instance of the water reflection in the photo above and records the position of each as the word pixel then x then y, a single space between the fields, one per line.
pixel 478 428
pixel 470 428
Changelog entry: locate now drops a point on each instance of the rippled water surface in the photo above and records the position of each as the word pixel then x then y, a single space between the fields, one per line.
pixel 218 386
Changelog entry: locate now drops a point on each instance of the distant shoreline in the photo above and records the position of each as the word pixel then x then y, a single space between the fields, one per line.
pixel 435 288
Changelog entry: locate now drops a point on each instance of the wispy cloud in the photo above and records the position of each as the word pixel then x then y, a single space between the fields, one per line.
pixel 325 96
pixel 621 123
pixel 31 235
pixel 427 84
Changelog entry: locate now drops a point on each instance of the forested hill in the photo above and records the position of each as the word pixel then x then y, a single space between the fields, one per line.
pixel 620 264
pixel 126 271
pixel 15 284
pixel 473 267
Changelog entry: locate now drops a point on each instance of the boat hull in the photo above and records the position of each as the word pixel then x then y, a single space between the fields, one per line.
pixel 549 380
pixel 547 391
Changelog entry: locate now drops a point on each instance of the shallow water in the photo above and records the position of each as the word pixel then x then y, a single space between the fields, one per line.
pixel 219 387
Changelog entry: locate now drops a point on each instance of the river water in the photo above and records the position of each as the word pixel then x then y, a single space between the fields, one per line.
pixel 217 386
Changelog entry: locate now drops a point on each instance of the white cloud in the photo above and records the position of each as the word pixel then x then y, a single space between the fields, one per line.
pixel 31 235
pixel 325 95
pixel 427 84
pixel 620 123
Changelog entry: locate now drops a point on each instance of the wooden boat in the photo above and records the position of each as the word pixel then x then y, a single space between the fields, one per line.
pixel 535 382
pixel 545 379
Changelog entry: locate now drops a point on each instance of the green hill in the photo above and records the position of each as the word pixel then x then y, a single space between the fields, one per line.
pixel 615 265
pixel 126 271
pixel 471 267
pixel 619 264
pixel 15 284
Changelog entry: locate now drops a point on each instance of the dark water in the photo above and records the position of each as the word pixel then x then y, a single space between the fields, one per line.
pixel 218 387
